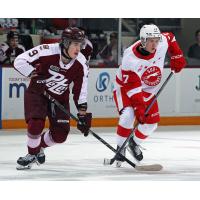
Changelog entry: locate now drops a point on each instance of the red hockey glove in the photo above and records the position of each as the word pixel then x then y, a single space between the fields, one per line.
pixel 37 83
pixel 139 114
pixel 139 107
pixel 177 63
pixel 84 123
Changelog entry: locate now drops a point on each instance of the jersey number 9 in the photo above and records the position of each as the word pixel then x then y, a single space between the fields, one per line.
pixel 32 53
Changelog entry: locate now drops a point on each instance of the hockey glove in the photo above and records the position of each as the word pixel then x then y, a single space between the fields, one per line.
pixel 139 107
pixel 177 63
pixel 139 114
pixel 37 83
pixel 84 123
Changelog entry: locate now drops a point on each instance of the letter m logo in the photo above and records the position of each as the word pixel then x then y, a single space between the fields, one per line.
pixel 17 88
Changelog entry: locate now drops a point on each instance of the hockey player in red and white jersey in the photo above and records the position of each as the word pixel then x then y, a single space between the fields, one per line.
pixel 138 79
pixel 52 68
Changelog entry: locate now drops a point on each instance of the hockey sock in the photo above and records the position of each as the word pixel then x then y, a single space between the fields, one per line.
pixel 33 145
pixel 46 140
pixel 143 131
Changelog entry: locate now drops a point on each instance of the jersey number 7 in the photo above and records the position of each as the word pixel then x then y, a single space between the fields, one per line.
pixel 125 78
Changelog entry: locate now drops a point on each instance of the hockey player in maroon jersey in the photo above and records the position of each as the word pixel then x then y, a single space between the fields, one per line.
pixel 137 81
pixel 52 68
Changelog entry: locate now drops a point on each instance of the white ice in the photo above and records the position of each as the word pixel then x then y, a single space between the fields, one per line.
pixel 81 158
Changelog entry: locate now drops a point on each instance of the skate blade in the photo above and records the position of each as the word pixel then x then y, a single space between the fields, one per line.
pixel 23 167
pixel 153 167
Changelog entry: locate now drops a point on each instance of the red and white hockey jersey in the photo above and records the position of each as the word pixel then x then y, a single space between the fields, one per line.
pixel 58 75
pixel 139 73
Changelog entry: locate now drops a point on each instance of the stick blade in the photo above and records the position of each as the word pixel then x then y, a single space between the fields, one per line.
pixel 154 167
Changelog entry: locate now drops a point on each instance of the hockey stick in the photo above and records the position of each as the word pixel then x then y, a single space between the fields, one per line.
pixel 139 168
pixel 112 160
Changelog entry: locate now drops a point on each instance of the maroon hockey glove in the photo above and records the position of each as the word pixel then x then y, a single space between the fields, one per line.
pixel 37 83
pixel 84 123
pixel 139 114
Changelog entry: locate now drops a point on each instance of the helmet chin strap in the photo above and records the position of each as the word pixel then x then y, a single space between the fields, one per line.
pixel 65 54
pixel 143 51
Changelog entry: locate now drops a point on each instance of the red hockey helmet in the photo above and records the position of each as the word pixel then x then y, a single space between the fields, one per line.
pixel 72 34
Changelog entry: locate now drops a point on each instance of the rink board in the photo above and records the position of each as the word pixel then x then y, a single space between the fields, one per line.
pixel 179 99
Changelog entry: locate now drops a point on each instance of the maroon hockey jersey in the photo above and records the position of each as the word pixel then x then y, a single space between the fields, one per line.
pixel 58 76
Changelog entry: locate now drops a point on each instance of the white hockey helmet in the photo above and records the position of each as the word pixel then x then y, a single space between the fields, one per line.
pixel 149 31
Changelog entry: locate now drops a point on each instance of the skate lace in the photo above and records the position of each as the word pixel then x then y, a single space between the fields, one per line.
pixel 137 150
pixel 41 153
pixel 141 147
pixel 28 157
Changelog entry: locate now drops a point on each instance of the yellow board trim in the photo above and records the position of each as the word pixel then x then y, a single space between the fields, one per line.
pixel 109 122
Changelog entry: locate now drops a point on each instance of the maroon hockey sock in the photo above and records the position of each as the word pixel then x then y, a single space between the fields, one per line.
pixel 33 151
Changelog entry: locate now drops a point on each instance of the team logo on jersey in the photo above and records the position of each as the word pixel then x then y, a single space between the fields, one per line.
pixel 54 68
pixel 57 83
pixel 152 76
pixel 102 81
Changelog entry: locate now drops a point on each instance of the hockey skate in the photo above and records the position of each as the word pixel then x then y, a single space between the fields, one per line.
pixel 119 159
pixel 27 161
pixel 41 157
pixel 135 150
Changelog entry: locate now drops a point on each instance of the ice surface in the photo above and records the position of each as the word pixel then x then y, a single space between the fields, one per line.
pixel 81 158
